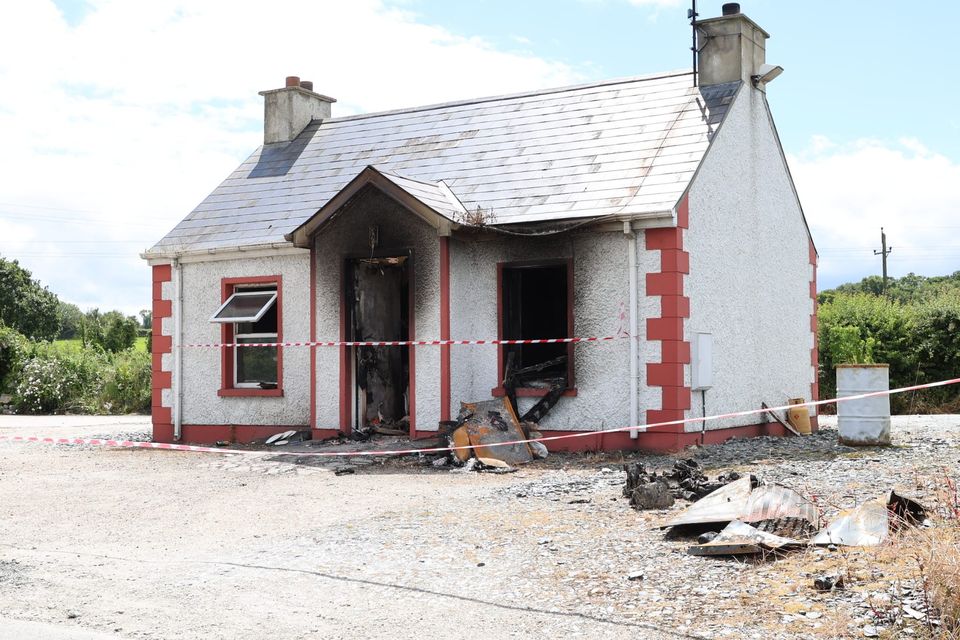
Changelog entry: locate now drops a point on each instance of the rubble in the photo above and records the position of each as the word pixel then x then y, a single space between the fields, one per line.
pixel 828 582
pixel 539 450
pixel 764 517
pixel 686 481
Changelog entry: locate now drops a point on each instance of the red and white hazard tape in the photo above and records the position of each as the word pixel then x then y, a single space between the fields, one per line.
pixel 402 343
pixel 396 452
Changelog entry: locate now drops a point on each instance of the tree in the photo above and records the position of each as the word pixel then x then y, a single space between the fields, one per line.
pixel 91 329
pixel 25 305
pixel 71 321
pixel 120 333
pixel 146 319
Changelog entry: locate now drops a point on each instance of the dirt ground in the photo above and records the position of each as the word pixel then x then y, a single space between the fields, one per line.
pixel 99 543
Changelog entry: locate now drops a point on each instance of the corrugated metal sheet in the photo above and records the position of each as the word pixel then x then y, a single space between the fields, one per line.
pixel 622 147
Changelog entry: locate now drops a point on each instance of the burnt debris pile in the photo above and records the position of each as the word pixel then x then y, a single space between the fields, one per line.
pixel 685 481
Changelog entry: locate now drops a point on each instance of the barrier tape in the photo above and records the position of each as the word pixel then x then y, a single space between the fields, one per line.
pixel 402 343
pixel 647 428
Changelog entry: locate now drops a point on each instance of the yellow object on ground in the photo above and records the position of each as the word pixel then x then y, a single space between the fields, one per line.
pixel 799 417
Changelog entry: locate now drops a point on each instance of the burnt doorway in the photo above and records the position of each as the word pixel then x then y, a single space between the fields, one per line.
pixel 378 290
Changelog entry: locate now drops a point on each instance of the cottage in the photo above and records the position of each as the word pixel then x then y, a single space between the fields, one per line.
pixel 656 210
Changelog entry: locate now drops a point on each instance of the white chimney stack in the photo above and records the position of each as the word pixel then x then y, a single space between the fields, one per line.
pixel 732 47
pixel 287 111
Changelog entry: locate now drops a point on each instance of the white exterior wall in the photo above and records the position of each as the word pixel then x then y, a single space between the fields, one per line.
pixel 601 370
pixel 648 261
pixel 348 235
pixel 201 367
pixel 749 269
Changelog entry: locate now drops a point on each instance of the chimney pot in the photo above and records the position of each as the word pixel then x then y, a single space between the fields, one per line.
pixel 293 81
pixel 306 84
pixel 731 8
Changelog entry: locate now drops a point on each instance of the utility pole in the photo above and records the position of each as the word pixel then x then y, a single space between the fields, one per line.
pixel 884 251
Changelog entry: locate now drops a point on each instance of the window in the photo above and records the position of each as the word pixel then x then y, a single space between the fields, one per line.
pixel 251 313
pixel 536 302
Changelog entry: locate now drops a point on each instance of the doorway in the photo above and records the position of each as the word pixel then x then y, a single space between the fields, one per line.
pixel 378 295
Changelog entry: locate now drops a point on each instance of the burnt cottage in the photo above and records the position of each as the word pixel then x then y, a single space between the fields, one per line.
pixel 660 208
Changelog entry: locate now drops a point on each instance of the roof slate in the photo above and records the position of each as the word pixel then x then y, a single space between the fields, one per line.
pixel 623 147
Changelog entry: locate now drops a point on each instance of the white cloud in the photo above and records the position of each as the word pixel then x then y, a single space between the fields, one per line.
pixel 850 190
pixel 114 128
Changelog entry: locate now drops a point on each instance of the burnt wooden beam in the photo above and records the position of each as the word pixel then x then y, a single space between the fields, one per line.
pixel 784 423
pixel 540 410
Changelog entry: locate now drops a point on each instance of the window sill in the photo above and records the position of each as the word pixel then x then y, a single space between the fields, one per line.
pixel 242 393
pixel 531 392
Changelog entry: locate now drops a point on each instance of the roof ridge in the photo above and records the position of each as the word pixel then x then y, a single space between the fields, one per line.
pixel 508 96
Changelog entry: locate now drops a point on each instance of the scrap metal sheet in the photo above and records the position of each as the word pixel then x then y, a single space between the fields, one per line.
pixel 871 522
pixel 740 500
pixel 740 538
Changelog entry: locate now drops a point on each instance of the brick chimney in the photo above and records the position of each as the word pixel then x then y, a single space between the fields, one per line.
pixel 288 110
pixel 732 47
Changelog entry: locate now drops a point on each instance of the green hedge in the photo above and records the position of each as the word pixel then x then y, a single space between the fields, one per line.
pixel 920 340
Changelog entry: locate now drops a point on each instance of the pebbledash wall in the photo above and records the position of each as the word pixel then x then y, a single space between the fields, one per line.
pixel 752 271
pixel 208 414
pixel 600 297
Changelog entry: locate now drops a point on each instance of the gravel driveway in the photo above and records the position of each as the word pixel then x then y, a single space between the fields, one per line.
pixel 161 544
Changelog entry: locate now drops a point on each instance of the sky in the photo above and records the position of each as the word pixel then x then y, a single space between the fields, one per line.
pixel 117 117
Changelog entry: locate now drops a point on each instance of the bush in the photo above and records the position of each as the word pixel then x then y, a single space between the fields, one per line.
pixel 14 349
pixel 83 380
pixel 127 388
pixel 53 381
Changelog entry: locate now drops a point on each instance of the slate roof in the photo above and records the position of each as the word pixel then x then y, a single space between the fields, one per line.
pixel 623 147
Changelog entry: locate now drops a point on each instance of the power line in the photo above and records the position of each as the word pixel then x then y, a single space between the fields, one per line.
pixel 59 241
pixel 84 220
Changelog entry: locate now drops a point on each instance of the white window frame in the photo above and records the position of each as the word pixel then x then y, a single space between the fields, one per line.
pixel 240 294
pixel 265 337
pixel 261 337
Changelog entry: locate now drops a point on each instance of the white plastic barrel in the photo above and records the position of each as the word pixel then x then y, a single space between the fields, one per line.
pixel 865 421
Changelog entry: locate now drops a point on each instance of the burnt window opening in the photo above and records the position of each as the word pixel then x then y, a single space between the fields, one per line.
pixel 536 304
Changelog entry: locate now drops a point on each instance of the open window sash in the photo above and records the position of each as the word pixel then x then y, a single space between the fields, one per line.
pixel 245 306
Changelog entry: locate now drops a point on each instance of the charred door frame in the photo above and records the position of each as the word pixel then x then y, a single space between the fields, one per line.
pixel 499 391
pixel 347 354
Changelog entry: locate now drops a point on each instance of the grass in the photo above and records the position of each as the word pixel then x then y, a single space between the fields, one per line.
pixel 68 346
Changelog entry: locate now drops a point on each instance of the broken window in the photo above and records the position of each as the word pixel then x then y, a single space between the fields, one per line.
pixel 536 303
pixel 250 315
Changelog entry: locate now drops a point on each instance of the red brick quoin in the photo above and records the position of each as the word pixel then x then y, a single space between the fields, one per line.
pixel 668 374
pixel 815 351
pixel 162 416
